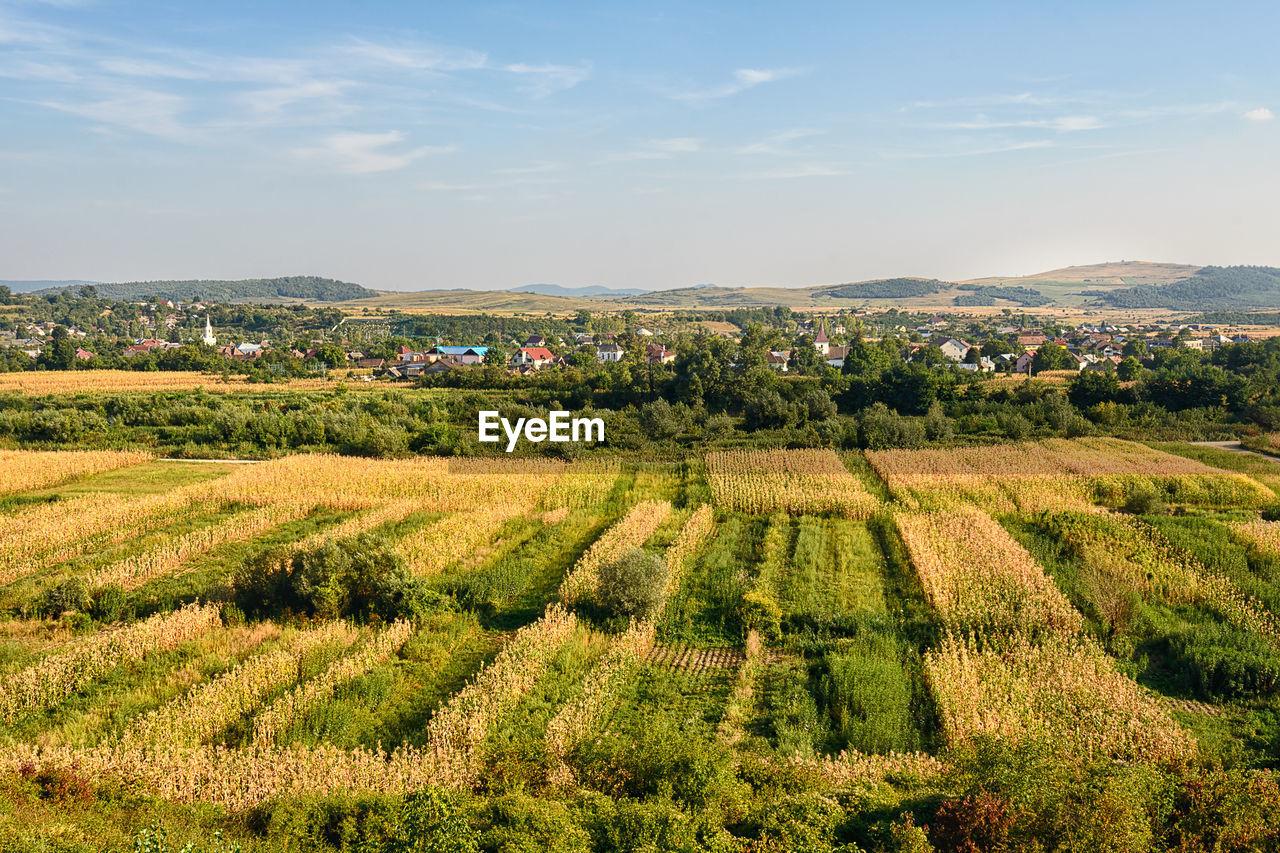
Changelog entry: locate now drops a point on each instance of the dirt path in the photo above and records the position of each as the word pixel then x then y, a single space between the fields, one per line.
pixel 1235 447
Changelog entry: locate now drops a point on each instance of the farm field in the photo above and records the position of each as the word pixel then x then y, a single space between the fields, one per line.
pixel 755 651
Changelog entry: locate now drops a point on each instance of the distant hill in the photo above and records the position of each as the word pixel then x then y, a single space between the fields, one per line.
pixel 29 286
pixel 1108 274
pixel 884 288
pixel 1214 288
pixel 590 291
pixel 252 289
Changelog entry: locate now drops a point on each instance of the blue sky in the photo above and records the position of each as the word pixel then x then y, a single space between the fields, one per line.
pixel 423 145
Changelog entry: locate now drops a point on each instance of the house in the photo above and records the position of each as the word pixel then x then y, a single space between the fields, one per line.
pixel 836 355
pixel 1030 341
pixel 459 355
pixel 83 354
pixel 535 341
pixel 820 340
pixel 658 354
pixel 609 353
pixel 1023 364
pixel 777 361
pixel 953 348
pixel 534 357
pixel 644 333
pixel 371 363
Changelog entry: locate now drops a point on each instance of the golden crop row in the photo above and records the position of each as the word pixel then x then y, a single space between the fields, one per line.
pixel 1056 474
pixel 274 719
pixel 55 532
pixel 632 531
pixel 1123 551
pixel 1263 535
pixel 803 482
pixel 24 470
pixel 457 730
pixel 1064 693
pixel 430 550
pixel 342 482
pixel 975 573
pixel 110 381
pixel 166 557
pixel 361 523
pixel 859 768
pixel 235 778
pixel 739 705
pixel 696 531
pixel 211 707
pixel 53 679
pixel 575 720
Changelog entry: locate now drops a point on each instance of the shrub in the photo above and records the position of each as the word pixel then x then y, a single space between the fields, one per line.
pixel 363 576
pixel 71 595
pixel 632 585
pixel 975 823
pixel 1226 663
pixel 1144 501
pixel 110 604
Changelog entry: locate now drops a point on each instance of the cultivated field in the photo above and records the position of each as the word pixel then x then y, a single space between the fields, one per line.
pixel 797 621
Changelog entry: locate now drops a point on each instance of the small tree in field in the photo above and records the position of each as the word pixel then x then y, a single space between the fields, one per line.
pixel 632 584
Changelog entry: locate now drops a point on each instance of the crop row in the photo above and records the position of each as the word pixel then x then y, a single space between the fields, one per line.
pixel 457 730
pixel 273 720
pixel 169 555
pixel 211 707
pixel 975 573
pixel 24 470
pixel 1063 692
pixel 49 682
pixel 631 531
pixel 813 482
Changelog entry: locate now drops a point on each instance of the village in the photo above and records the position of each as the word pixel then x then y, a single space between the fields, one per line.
pixel 959 342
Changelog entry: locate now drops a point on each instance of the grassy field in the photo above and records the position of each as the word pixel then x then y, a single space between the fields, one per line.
pixel 872 650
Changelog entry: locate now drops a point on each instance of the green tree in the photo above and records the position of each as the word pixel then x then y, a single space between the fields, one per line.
pixel 632 585
pixel 1129 369
pixel 1052 356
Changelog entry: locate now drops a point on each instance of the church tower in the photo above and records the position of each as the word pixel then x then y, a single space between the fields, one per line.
pixel 821 343
pixel 209 339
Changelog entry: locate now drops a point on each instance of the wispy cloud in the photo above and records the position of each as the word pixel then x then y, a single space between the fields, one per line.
pixel 366 153
pixel 141 110
pixel 902 154
pixel 1259 114
pixel 994 100
pixel 277 98
pixel 657 149
pixel 1065 124
pixel 541 167
pixel 743 79
pixel 803 170
pixel 417 57
pixel 547 79
pixel 777 143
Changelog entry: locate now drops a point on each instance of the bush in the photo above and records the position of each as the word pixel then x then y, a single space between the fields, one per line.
pixel 110 604
pixel 1144 501
pixel 1226 663
pixel 70 596
pixel 632 585
pixel 363 576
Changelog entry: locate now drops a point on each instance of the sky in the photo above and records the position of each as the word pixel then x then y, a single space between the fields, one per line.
pixel 412 145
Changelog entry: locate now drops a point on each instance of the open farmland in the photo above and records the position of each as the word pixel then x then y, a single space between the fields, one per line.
pixel 221 641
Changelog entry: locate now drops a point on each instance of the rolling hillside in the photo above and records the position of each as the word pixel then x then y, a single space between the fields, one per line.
pixel 308 287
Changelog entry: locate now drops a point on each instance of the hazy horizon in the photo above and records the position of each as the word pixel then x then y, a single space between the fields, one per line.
pixel 489 146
